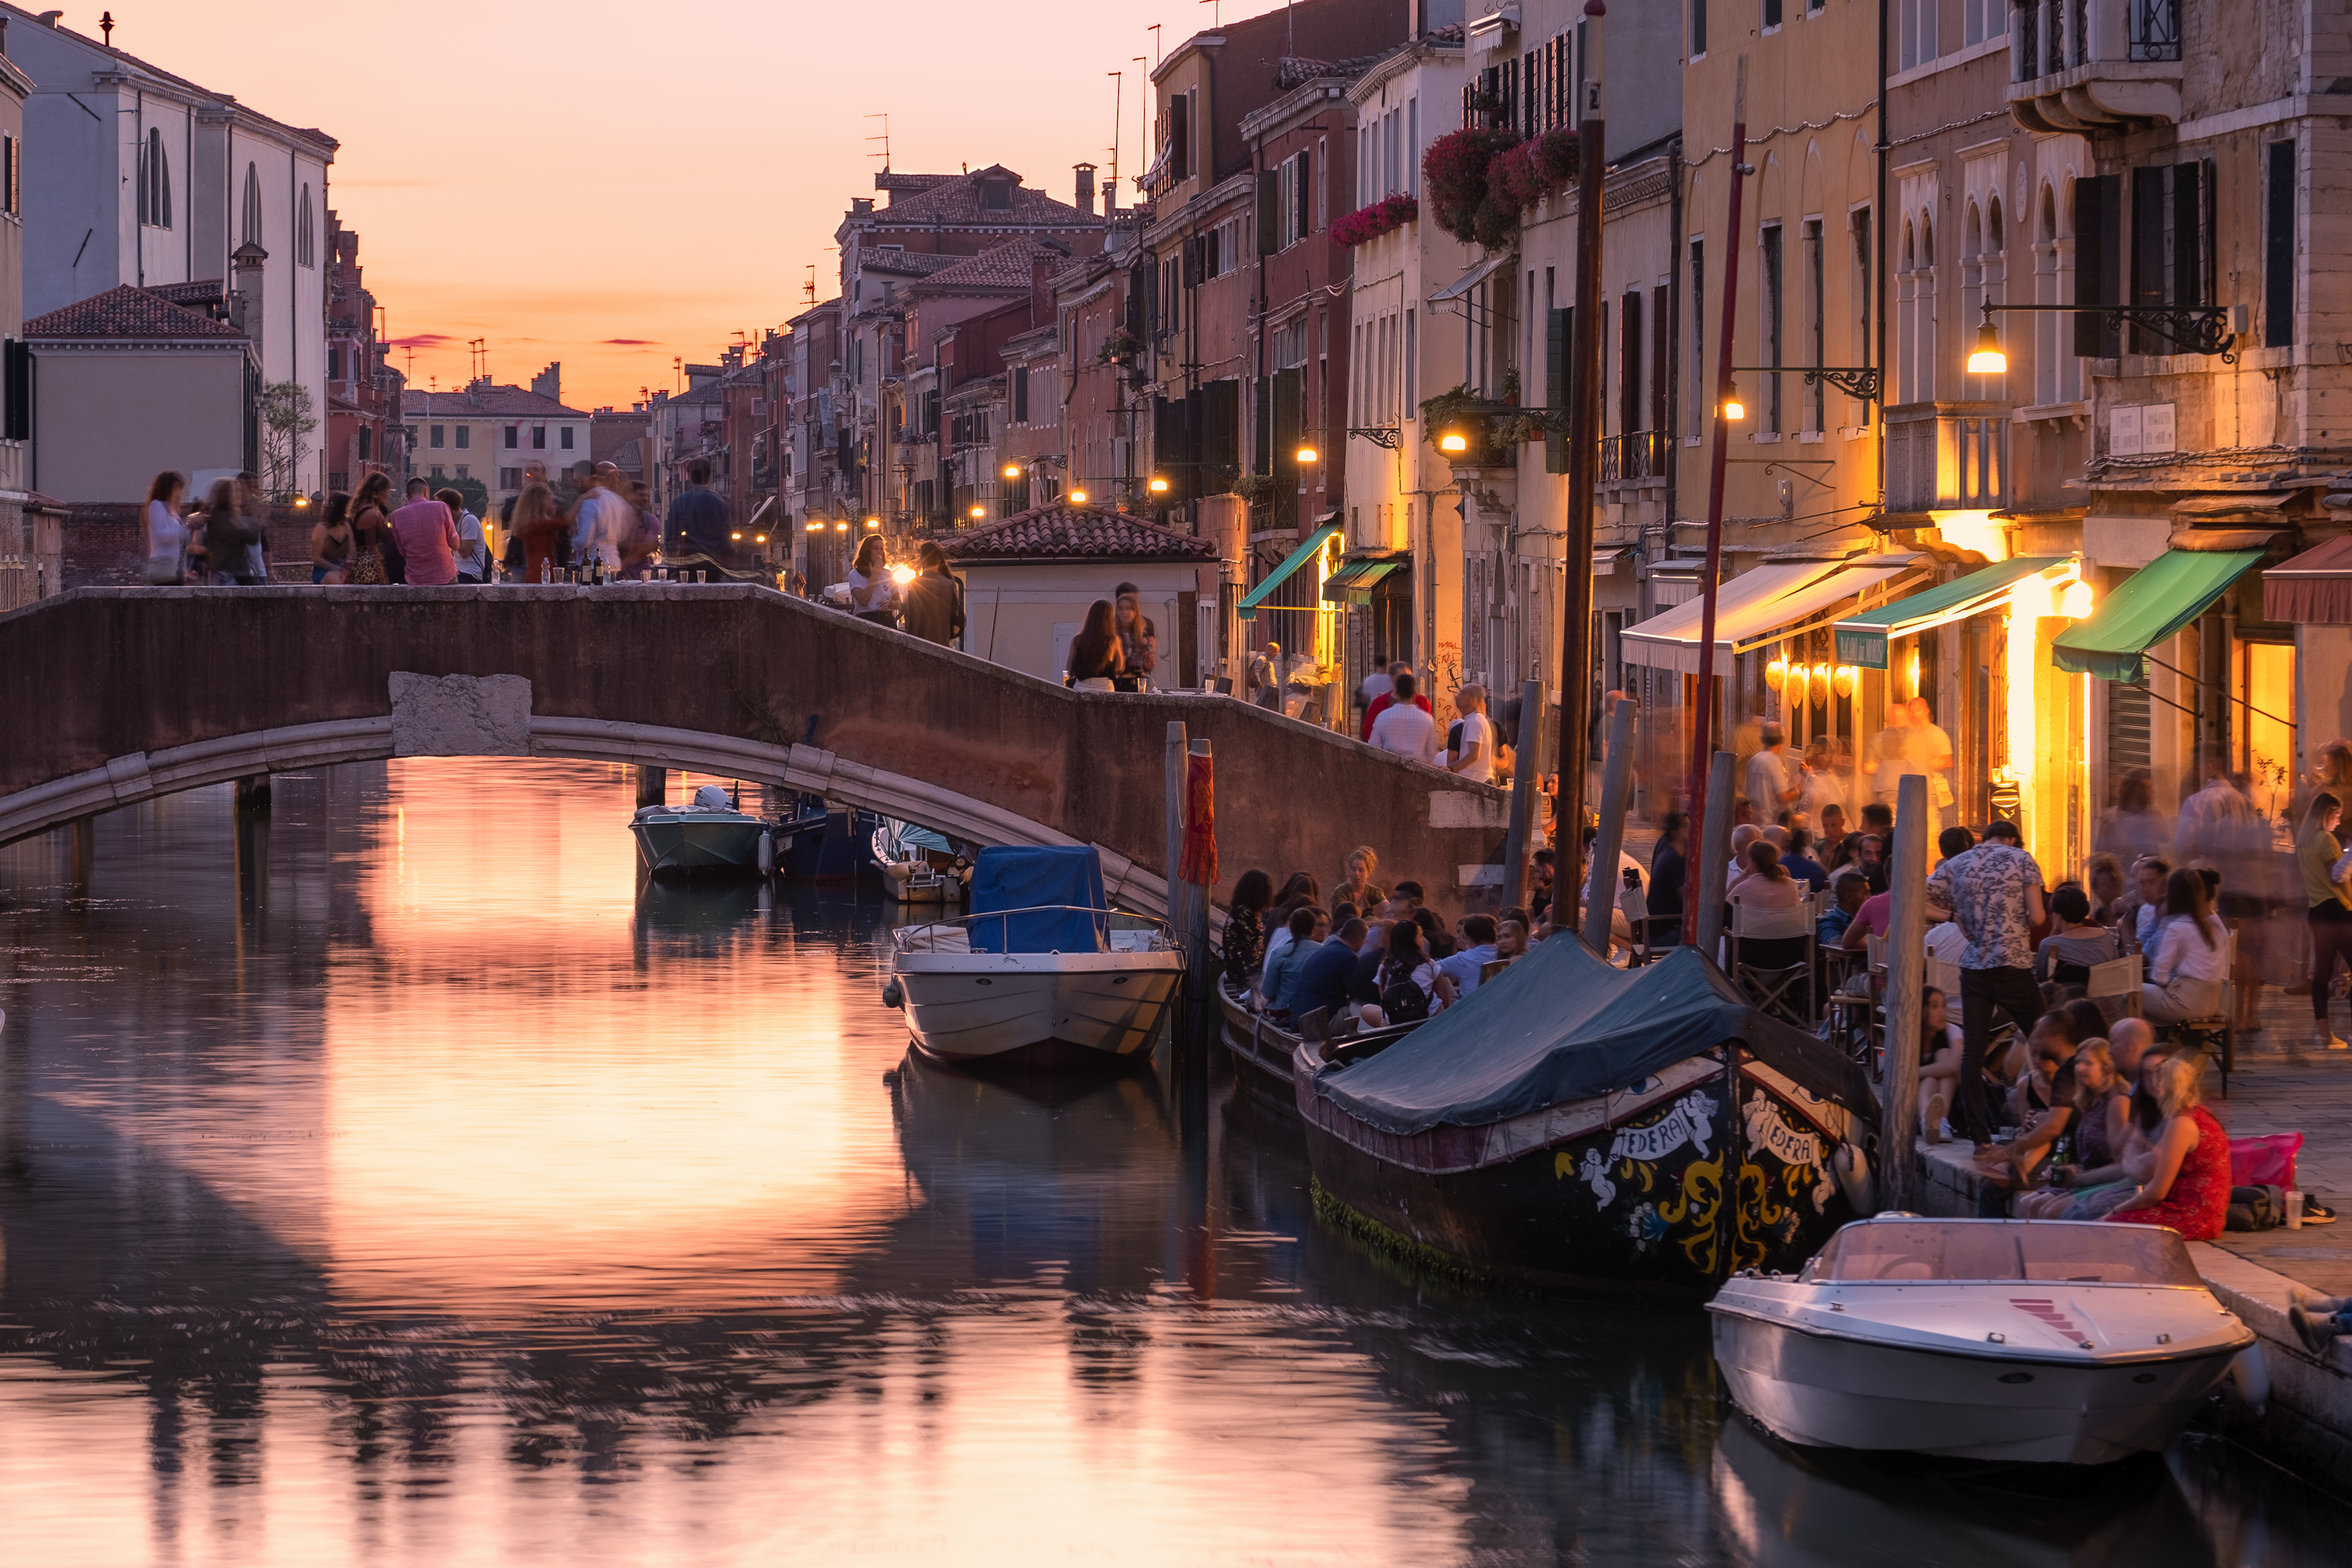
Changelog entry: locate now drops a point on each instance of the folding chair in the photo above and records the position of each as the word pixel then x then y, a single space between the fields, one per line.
pixel 2115 987
pixel 1946 978
pixel 2217 1033
pixel 1774 991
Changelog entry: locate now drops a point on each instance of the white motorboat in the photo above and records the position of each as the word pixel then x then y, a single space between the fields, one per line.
pixel 1042 973
pixel 919 867
pixel 2046 1342
pixel 710 836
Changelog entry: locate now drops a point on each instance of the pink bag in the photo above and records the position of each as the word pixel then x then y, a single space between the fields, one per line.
pixel 2267 1160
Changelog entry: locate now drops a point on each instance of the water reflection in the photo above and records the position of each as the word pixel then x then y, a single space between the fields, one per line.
pixel 398 1177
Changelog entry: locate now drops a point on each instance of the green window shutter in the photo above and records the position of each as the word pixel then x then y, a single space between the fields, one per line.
pixel 1269 212
pixel 1559 331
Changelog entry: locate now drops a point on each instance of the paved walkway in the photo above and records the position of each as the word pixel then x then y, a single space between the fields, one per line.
pixel 2281 1085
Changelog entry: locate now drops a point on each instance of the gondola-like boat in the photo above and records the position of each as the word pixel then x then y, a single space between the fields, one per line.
pixel 1580 1126
pixel 1262 1047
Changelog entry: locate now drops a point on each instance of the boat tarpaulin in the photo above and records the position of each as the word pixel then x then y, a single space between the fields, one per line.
pixel 1060 885
pixel 2145 608
pixel 1560 1025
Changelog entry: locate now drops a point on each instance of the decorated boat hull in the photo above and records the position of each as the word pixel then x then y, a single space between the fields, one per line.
pixel 1661 1189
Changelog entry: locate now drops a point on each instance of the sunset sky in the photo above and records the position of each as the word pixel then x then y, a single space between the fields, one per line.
pixel 616 186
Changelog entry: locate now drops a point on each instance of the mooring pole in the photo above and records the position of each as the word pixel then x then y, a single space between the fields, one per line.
pixel 653 785
pixel 1524 804
pixel 1906 962
pixel 1703 883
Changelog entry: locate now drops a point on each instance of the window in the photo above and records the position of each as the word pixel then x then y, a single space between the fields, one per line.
pixel 539 438
pixel 1772 14
pixel 250 230
pixel 367 443
pixel 509 478
pixel 306 235
pixel 465 437
pixel 513 437
pixel 334 362
pixel 1916 34
pixel 433 437
pixel 2278 244
pixel 1980 20
pixel 1815 326
pixel 154 183
pixel 438 473
pixel 1701 399
pixel 1767 307
pixel 1631 404
pixel 1698 28
pixel 996 195
pixel 1322 186
pixel 566 442
pixel 2171 244
pixel 1865 268
pixel 1411 146
pixel 11 158
pixel 1021 394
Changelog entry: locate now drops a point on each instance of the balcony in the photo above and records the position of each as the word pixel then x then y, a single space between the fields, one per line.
pixel 1635 456
pixel 1946 456
pixel 2086 66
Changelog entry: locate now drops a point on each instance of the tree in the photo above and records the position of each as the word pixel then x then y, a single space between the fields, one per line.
pixel 477 494
pixel 286 419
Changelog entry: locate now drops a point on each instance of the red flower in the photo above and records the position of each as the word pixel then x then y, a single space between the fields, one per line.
pixel 1456 167
pixel 1384 216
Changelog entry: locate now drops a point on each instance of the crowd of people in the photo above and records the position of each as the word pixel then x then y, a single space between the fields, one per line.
pixel 594 525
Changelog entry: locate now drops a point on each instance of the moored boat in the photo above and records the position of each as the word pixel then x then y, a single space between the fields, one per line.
pixel 2046 1342
pixel 1261 1047
pixel 710 836
pixel 1581 1126
pixel 918 866
pixel 1042 973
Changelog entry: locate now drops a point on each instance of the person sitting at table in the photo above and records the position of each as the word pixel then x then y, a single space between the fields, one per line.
pixel 2067 954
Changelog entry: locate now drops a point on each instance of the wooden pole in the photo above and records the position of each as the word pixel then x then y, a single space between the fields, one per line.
pixel 1181 1023
pixel 1583 474
pixel 1703 716
pixel 1907 963
pixel 1201 964
pixel 1616 790
pixel 653 785
pixel 1703 883
pixel 1523 795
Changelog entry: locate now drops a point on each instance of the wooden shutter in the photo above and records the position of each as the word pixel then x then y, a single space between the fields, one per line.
pixel 1269 210
pixel 2190 233
pixel 2098 261
pixel 1558 333
pixel 2278 245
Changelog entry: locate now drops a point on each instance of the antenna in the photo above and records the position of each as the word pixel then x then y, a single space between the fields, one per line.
pixel 479 355
pixel 809 288
pixel 1215 13
pixel 1118 86
pixel 1143 129
pixel 1154 31
pixel 884 139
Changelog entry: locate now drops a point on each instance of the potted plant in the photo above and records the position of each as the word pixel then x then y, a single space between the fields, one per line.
pixel 1456 170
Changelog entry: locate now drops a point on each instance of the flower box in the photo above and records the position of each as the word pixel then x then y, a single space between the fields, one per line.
pixel 1384 216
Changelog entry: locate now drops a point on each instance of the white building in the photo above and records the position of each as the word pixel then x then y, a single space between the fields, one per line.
pixel 134 175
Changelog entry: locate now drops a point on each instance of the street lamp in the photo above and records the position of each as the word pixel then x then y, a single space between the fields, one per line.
pixel 1305 455
pixel 871 522
pixel 842 526
pixel 1078 498
pixel 1732 408
pixel 1988 358
pixel 1012 470
pixel 816 525
pixel 978 512
pixel 1158 486
pixel 1453 443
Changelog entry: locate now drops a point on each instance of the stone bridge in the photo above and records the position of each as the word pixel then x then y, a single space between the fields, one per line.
pixel 119 695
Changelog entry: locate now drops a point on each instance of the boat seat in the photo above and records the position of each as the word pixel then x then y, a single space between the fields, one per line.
pixel 1313 1026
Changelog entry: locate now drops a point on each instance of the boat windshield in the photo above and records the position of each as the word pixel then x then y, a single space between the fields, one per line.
pixel 1904 1251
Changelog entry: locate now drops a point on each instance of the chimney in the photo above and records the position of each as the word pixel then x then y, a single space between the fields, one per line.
pixel 549 382
pixel 245 263
pixel 1086 202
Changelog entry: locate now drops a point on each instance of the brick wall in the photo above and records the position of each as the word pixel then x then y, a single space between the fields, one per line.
pixel 106 545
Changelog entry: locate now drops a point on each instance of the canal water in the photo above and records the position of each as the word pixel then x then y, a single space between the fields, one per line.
pixel 396 1181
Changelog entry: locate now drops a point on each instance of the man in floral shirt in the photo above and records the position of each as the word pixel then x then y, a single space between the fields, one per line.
pixel 1994 892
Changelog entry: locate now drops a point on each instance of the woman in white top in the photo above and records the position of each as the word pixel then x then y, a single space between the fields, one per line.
pixel 167 536
pixel 2192 955
pixel 872 595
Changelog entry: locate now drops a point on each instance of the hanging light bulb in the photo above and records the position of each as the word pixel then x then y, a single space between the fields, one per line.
pixel 1798 680
pixel 1776 674
pixel 1987 358
pixel 1733 409
pixel 2076 601
pixel 1843 682
pixel 1820 685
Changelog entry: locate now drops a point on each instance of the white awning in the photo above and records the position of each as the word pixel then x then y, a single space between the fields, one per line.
pixel 1749 609
pixel 1470 279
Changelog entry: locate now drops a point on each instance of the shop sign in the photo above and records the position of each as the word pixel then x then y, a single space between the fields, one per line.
pixel 1862 646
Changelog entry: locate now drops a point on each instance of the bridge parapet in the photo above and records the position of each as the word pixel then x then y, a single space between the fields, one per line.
pixel 122 694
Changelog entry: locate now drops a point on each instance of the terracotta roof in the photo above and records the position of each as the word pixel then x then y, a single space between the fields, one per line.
pixel 1057 532
pixel 1011 266
pixel 127 312
pixel 920 263
pixel 957 201
pixel 485 402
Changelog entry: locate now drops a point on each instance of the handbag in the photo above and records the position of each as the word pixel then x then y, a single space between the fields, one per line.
pixel 367 566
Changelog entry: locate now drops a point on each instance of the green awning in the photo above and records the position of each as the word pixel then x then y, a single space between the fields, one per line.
pixel 1281 574
pixel 2153 602
pixel 1352 583
pixel 1862 637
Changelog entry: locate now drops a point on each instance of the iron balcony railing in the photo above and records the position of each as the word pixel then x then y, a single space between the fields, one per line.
pixel 1637 455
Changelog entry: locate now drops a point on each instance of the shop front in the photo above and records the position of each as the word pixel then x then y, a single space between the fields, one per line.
pixel 1287 608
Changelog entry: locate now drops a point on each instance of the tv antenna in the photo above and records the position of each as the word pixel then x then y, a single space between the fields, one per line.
pixel 478 356
pixel 809 288
pixel 884 139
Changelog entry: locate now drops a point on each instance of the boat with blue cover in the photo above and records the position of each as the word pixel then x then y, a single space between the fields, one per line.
pixel 1042 972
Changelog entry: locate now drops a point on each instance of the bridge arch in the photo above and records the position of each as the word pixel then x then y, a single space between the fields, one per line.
pixel 123 694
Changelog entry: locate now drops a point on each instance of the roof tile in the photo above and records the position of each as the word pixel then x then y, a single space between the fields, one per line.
pixel 485 402
pixel 1057 532
pixel 1012 264
pixel 127 312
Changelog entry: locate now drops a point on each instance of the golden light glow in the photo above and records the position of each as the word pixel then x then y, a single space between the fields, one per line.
pixel 1798 680
pixel 760 539
pixel 1843 681
pixel 1732 408
pixel 902 573
pixel 816 525
pixel 1158 486
pixel 1078 498
pixel 870 522
pixel 1306 455
pixel 1975 531
pixel 1776 674
pixel 1012 470
pixel 842 526
pixel 979 511
pixel 2077 601
pixel 301 502
pixel 737 536
pixel 1987 358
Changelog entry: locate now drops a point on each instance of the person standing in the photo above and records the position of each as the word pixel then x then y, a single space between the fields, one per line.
pixel 1388 698
pixel 2330 915
pixel 2134 830
pixel 1097 661
pixel 167 536
pixel 1819 792
pixel 1265 677
pixel 1929 750
pixel 473 551
pixel 872 595
pixel 511 554
pixel 371 526
pixel 1769 787
pixel 697 526
pixel 1890 756
pixel 1669 876
pixel 604 520
pixel 1138 639
pixel 645 542
pixel 536 533
pixel 427 537
pixel 1375 686
pixel 254 508
pixel 1474 757
pixel 330 543
pixel 1405 727
pixel 934 609
pixel 228 536
pixel 1994 892
pixel 1302 683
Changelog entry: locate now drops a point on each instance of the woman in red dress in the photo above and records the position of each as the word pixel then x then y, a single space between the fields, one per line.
pixel 2188 1187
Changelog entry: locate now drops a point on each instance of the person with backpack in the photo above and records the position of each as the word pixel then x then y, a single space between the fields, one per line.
pixel 1410 987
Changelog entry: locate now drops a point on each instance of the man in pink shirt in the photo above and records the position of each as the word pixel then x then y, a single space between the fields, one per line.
pixel 427 536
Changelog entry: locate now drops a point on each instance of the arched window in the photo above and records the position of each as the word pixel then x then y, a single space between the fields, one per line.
pixel 306 236
pixel 154 183
pixel 250 231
